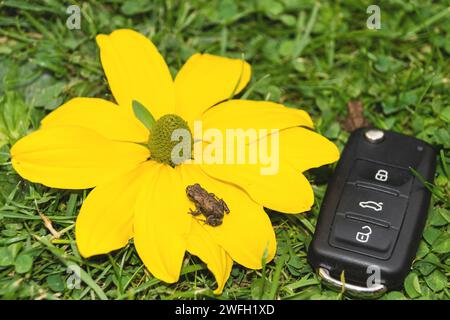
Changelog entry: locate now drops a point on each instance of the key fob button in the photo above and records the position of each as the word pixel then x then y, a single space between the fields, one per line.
pixel 373 205
pixel 363 237
pixel 370 173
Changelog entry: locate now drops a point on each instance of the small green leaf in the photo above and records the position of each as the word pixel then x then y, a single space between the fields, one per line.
pixel 394 295
pixel 14 117
pixel 288 20
pixel 15 248
pixel 286 48
pixel 437 218
pixel 436 280
pixel 56 282
pixel 23 263
pixel 442 245
pixel 295 262
pixel 9 233
pixel 143 114
pixel 423 250
pixel 412 285
pixel 445 114
pixel 133 7
pixel 431 234
pixel 6 257
pixel 428 264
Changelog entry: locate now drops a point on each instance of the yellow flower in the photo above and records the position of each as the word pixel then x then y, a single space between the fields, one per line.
pixel 94 143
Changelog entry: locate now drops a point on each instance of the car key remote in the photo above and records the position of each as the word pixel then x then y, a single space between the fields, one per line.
pixel 373 213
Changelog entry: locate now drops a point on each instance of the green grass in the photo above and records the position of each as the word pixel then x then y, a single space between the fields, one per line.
pixel 317 57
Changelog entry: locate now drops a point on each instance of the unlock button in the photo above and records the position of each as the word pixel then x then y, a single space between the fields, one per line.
pixel 362 237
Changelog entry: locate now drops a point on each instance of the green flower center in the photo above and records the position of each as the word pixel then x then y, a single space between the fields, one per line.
pixel 164 138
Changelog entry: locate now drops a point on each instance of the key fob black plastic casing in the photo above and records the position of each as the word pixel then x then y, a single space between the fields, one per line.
pixel 374 209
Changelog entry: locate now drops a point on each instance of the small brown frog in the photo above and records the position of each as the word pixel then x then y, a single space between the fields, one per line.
pixel 207 204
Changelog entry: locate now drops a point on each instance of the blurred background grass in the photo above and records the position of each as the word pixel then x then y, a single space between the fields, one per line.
pixel 306 54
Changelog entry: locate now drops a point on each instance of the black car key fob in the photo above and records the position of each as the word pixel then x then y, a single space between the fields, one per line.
pixel 373 213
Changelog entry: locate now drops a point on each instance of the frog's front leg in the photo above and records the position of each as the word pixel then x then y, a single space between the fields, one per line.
pixel 194 213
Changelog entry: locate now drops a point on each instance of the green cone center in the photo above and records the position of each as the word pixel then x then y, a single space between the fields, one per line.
pixel 160 141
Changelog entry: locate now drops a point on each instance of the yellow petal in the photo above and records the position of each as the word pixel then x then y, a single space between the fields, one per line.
pixel 270 181
pixel 162 222
pixel 203 245
pixel 205 80
pixel 247 114
pixel 73 157
pixel 305 149
pixel 287 191
pixel 102 116
pixel 246 233
pixel 136 71
pixel 105 221
pixel 275 180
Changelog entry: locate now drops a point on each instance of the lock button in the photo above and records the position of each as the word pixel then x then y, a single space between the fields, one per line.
pixel 382 177
pixel 363 237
